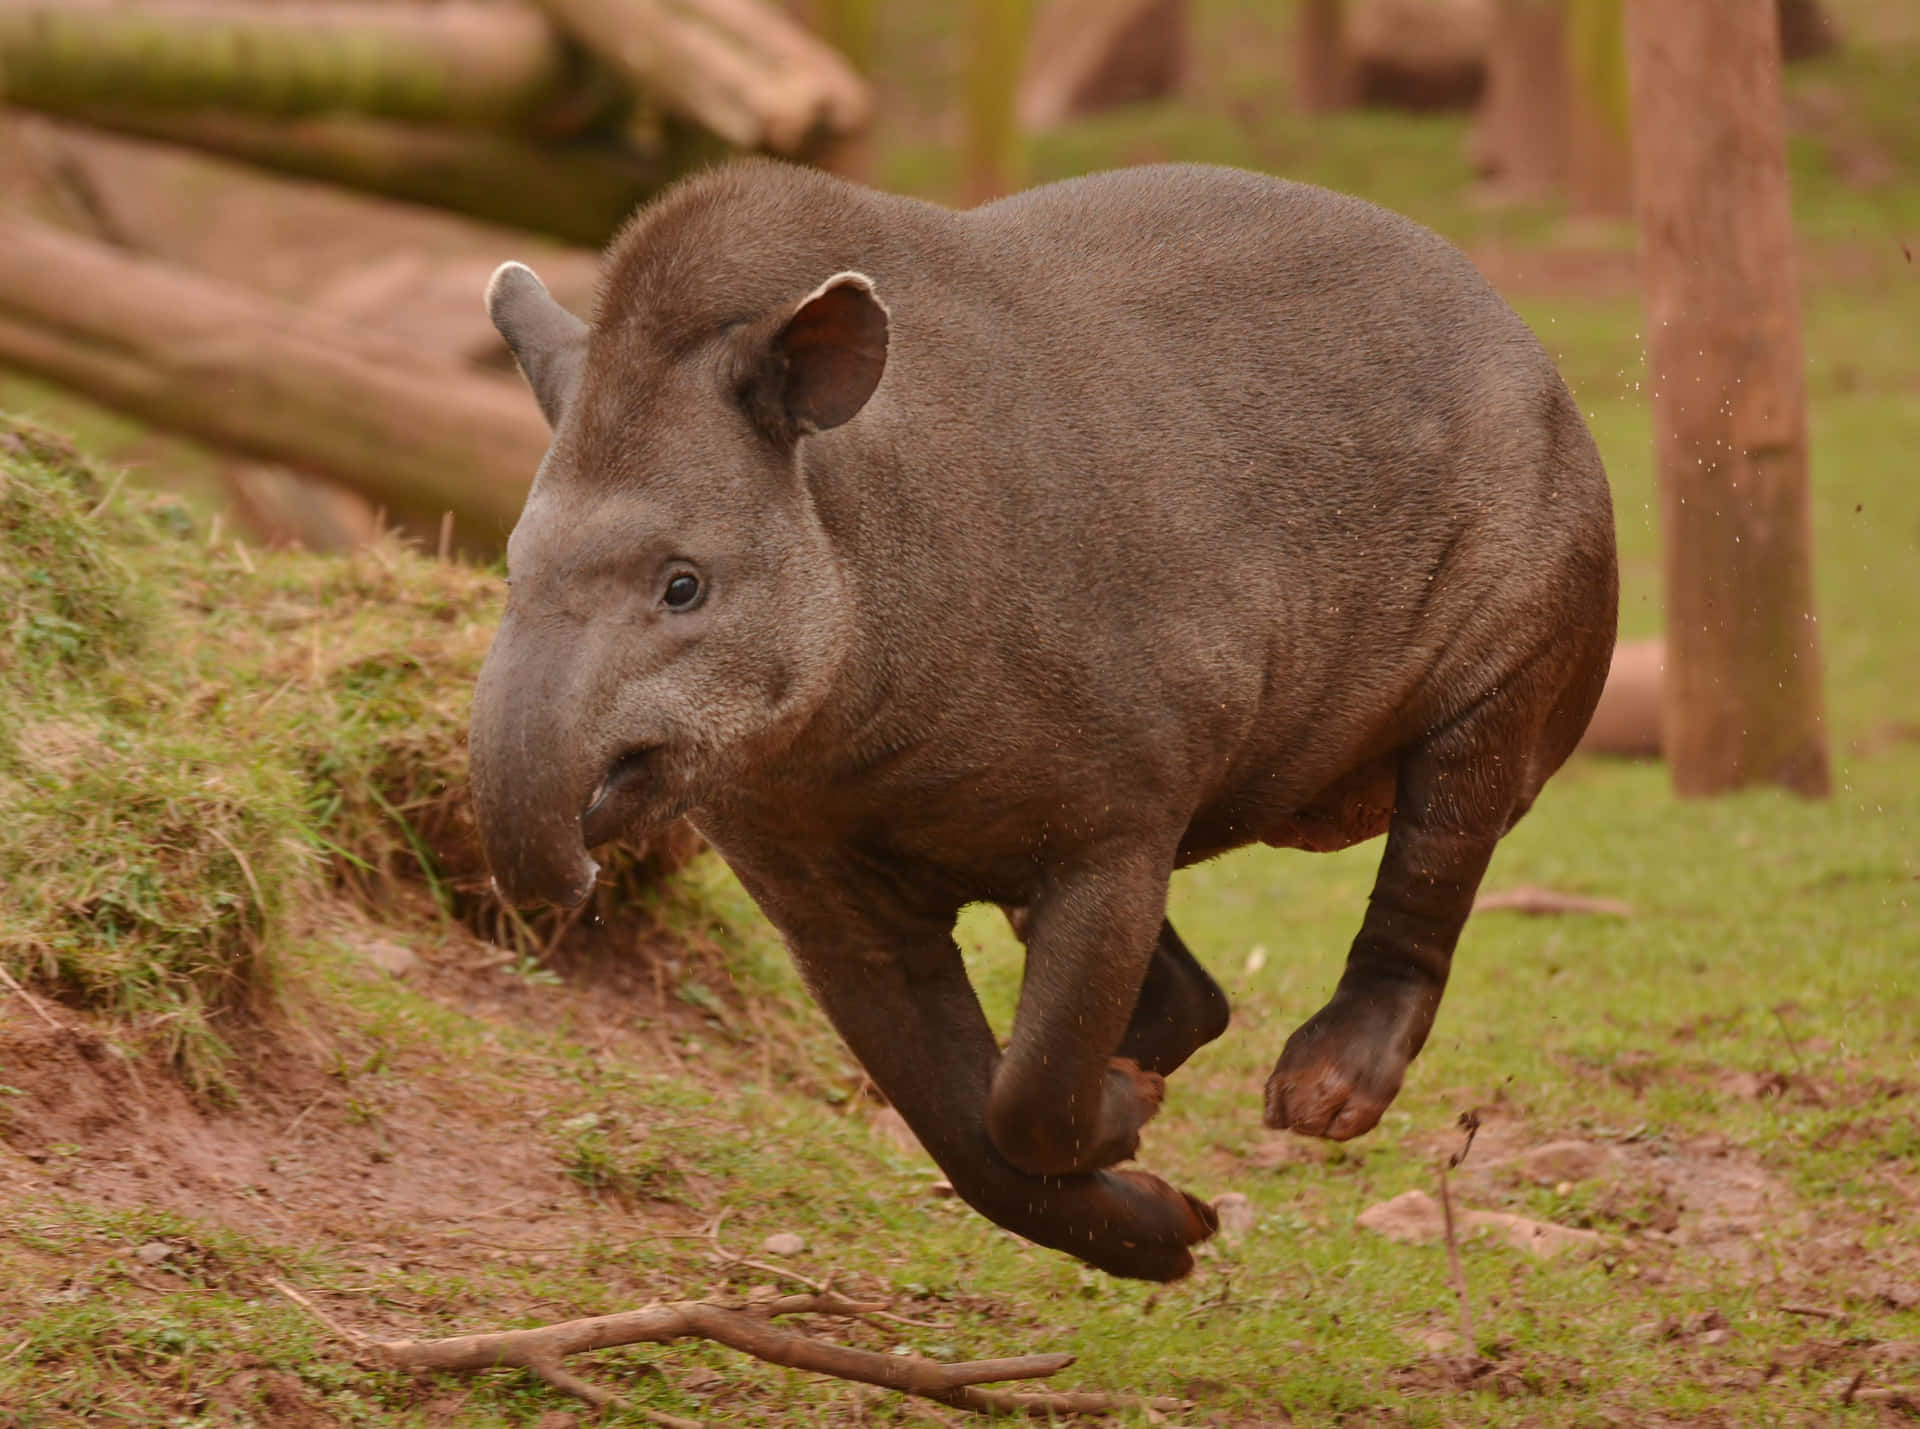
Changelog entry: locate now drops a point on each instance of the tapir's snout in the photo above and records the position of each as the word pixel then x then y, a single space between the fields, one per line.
pixel 531 779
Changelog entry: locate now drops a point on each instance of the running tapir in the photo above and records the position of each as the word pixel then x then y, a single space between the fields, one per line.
pixel 1025 555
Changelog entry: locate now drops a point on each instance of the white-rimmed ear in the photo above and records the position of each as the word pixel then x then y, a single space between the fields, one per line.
pixel 548 342
pixel 823 363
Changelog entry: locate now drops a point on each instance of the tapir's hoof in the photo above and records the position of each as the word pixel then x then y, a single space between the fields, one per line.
pixel 1337 1075
pixel 1156 1225
pixel 1129 1098
pixel 1320 1102
pixel 1133 1099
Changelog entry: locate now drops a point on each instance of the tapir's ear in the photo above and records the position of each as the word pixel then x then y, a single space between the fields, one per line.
pixel 821 365
pixel 548 342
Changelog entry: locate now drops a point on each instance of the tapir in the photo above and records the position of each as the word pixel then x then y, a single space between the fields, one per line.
pixel 1024 555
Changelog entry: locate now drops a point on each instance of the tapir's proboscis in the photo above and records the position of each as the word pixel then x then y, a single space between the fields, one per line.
pixel 1025 555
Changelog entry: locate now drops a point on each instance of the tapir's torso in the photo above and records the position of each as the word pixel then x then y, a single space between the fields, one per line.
pixel 1187 497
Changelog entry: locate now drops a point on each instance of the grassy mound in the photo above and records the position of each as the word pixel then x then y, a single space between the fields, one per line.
pixel 196 738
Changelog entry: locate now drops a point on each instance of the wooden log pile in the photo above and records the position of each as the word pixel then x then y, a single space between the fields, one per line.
pixel 556 117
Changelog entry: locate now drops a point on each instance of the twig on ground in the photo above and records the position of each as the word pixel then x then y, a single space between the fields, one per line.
pixel 749 1331
pixel 294 1125
pixel 1454 1267
pixel 30 1000
pixel 819 1287
pixel 1813 1312
pixel 1469 1123
pixel 1808 1088
pixel 1853 1386
pixel 352 1337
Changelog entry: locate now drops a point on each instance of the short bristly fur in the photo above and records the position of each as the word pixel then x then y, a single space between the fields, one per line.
pixel 1025 555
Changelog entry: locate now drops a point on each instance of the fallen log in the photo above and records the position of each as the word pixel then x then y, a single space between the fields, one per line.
pixel 459 62
pixel 579 192
pixel 413 431
pixel 1627 721
pixel 737 67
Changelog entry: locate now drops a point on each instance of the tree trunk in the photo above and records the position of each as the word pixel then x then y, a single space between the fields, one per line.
pixel 1742 699
pixel 1324 77
pixel 458 62
pixel 1520 129
pixel 1088 55
pixel 579 193
pixel 738 67
pixel 1599 151
pixel 412 431
pixel 994 160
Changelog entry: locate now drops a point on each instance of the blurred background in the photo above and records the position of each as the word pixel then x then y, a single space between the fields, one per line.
pixel 243 245
pixel 277 216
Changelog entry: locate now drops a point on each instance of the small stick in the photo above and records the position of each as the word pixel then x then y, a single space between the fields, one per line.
pixel 352 1337
pixel 1853 1387
pixel 446 534
pixel 1453 1264
pixel 1470 1123
pixel 1813 1312
pixel 1799 1063
pixel 113 490
pixel 294 1125
pixel 30 1001
pixel 259 898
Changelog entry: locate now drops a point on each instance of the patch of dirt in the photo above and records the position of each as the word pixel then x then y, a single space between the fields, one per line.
pixel 1511 1376
pixel 368 1143
pixel 1706 1195
pixel 270 1399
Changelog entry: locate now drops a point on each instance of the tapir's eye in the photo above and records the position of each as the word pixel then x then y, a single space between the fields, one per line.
pixel 682 591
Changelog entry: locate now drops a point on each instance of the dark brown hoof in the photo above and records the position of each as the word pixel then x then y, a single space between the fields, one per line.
pixel 1151 1226
pixel 1340 1071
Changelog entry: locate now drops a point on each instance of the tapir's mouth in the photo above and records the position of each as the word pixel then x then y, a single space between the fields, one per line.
pixel 628 784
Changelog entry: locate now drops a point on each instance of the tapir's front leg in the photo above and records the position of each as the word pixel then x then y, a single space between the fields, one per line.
pixel 896 988
pixel 1062 1100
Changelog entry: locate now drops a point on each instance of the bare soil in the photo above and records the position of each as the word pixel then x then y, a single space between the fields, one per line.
pixel 364 1143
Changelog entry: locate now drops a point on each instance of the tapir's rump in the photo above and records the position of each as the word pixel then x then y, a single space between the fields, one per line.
pixel 1024 555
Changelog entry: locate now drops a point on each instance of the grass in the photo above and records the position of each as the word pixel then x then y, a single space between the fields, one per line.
pixel 1745 1049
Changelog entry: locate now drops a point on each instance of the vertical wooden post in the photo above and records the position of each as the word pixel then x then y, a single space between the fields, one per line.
pixel 1324 77
pixel 997 50
pixel 1742 700
pixel 1599 153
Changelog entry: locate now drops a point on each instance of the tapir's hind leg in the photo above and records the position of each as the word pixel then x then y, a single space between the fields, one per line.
pixel 1181 1008
pixel 1457 791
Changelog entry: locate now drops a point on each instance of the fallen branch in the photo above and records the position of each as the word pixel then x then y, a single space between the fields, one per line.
pixel 748 1330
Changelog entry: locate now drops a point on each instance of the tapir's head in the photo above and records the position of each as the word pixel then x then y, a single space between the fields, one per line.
pixel 676 612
